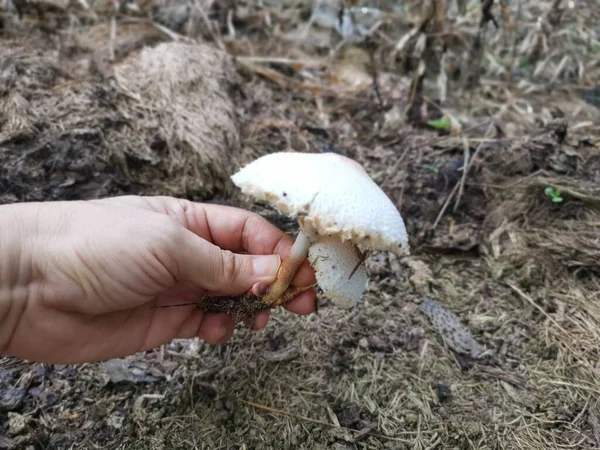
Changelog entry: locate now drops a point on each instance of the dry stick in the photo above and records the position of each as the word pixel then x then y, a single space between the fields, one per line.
pixel 445 206
pixel 171 34
pixel 395 167
pixel 540 309
pixel 375 71
pixel 469 162
pixel 327 424
pixel 113 31
pixel 465 170
pixel 530 300
pixel 426 144
pixel 461 184
pixel 281 60
pixel 362 257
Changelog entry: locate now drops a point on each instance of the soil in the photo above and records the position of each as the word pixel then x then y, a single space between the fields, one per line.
pixel 486 138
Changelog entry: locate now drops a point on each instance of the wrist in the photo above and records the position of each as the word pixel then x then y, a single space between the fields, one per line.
pixel 17 230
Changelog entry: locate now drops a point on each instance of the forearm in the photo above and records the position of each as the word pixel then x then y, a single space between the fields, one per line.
pixel 17 232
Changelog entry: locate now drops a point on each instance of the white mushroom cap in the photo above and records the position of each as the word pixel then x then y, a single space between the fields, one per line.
pixel 331 194
pixel 334 262
pixel 338 206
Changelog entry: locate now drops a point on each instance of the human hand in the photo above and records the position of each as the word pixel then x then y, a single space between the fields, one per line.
pixel 84 280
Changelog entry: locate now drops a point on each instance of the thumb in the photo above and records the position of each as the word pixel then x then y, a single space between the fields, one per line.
pixel 217 270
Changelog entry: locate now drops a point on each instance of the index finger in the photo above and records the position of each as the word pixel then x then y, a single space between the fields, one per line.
pixel 231 228
pixel 239 230
pixel 228 227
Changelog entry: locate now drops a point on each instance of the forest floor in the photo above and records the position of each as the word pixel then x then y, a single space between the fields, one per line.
pixel 480 120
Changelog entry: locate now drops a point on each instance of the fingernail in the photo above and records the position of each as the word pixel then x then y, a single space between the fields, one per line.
pixel 266 266
pixel 259 289
pixel 222 333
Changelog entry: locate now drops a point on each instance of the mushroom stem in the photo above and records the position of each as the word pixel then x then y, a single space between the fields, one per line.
pixel 289 267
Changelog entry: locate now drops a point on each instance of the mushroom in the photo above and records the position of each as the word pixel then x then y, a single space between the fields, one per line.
pixel 342 215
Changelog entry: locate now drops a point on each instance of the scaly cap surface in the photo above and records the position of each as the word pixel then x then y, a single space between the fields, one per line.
pixel 330 194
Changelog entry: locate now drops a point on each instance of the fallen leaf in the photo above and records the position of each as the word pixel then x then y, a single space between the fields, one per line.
pixel 450 328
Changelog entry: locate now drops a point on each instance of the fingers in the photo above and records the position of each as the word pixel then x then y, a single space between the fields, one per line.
pixel 216 270
pixel 238 230
pixel 305 275
pixel 216 329
pixel 260 320
pixel 232 229
pixel 304 304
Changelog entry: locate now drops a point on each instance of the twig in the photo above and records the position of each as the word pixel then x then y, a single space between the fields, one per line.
pixel 281 60
pixel 459 186
pixel 465 171
pixel 362 257
pixel 486 13
pixel 469 162
pixel 113 32
pixel 445 206
pixel 375 71
pixel 523 295
pixel 395 167
pixel 327 424
pixel 171 34
pixel 415 100
pixel 286 413
pixel 426 144
pixel 565 342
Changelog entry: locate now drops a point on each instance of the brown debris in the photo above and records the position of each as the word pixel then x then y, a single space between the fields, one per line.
pixel 93 45
pixel 237 306
pixel 15 118
pixel 163 122
pixel 525 228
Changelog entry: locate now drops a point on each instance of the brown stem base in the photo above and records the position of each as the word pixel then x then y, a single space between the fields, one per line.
pixel 247 305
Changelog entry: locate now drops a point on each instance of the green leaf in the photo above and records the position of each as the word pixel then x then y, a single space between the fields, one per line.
pixel 441 124
pixel 434 169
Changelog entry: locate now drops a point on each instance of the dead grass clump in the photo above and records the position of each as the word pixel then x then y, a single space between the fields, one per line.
pixel 94 46
pixel 162 122
pixel 527 229
pixel 181 95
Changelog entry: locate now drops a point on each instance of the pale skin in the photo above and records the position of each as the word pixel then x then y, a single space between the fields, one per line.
pixel 86 281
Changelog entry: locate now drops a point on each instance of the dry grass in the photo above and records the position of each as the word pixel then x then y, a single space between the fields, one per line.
pixel 517 269
pixel 161 120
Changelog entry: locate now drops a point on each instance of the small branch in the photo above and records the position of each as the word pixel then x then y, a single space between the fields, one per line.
pixel 465 171
pixel 113 32
pixel 445 206
pixel 486 13
pixel 331 425
pixel 469 162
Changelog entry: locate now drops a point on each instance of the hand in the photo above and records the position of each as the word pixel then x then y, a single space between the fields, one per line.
pixel 87 276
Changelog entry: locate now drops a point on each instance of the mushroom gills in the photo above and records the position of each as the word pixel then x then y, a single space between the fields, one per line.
pixel 334 262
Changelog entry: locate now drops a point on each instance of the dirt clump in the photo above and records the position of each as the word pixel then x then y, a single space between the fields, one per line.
pixel 164 121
